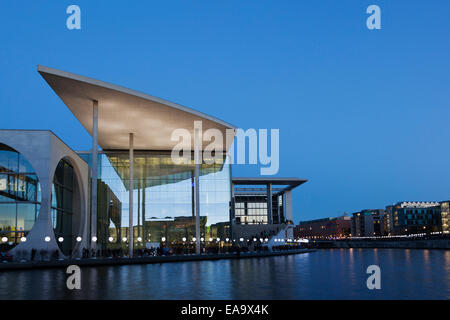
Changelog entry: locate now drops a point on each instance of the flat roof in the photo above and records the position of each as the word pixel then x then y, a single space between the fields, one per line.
pixel 290 182
pixel 122 111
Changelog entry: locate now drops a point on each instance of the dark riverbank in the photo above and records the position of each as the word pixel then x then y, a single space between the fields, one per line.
pixel 144 260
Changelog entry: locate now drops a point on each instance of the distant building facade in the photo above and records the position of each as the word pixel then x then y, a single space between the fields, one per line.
pixel 444 215
pixel 262 207
pixel 417 217
pixel 323 228
pixel 388 220
pixel 368 223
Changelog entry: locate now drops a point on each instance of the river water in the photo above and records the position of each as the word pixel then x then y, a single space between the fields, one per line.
pixel 323 274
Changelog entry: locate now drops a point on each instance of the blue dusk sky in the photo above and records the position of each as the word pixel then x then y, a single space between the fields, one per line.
pixel 363 114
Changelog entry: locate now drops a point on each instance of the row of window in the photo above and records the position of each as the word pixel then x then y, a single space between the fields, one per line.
pixel 19 187
pixel 251 220
pixel 250 212
pixel 420 211
pixel 241 205
pixel 420 222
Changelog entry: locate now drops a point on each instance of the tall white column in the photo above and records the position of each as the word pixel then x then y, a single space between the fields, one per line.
pixel 94 172
pixel 197 189
pixel 278 209
pixel 269 203
pixel 130 194
pixel 288 204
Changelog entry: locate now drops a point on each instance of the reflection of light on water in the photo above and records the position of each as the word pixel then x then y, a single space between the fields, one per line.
pixel 426 256
pixel 351 255
pixel 324 274
pixel 351 267
pixel 447 271
pixel 407 256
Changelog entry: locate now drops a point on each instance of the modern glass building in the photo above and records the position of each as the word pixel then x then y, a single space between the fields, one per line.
pixel 132 190
pixel 138 192
pixel 417 217
pixel 262 207
pixel 43 195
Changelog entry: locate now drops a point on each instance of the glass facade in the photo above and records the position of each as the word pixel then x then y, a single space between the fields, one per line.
pixel 417 219
pixel 62 206
pixel 163 194
pixel 251 210
pixel 445 213
pixel 20 196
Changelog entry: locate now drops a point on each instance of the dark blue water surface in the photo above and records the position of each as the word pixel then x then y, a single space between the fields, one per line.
pixel 324 274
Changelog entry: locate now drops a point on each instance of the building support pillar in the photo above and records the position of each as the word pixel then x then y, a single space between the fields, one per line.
pixel 269 203
pixel 197 189
pixel 94 176
pixel 232 212
pixel 288 204
pixel 278 209
pixel 130 194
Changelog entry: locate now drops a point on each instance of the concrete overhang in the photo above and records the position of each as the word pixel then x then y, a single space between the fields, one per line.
pixel 122 111
pixel 290 183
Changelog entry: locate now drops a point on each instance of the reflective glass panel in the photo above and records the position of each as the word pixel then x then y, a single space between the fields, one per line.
pixel 19 196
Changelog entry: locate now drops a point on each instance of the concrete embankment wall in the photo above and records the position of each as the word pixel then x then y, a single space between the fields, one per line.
pixel 402 244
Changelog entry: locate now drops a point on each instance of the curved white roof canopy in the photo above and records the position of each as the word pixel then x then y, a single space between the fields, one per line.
pixel 122 111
